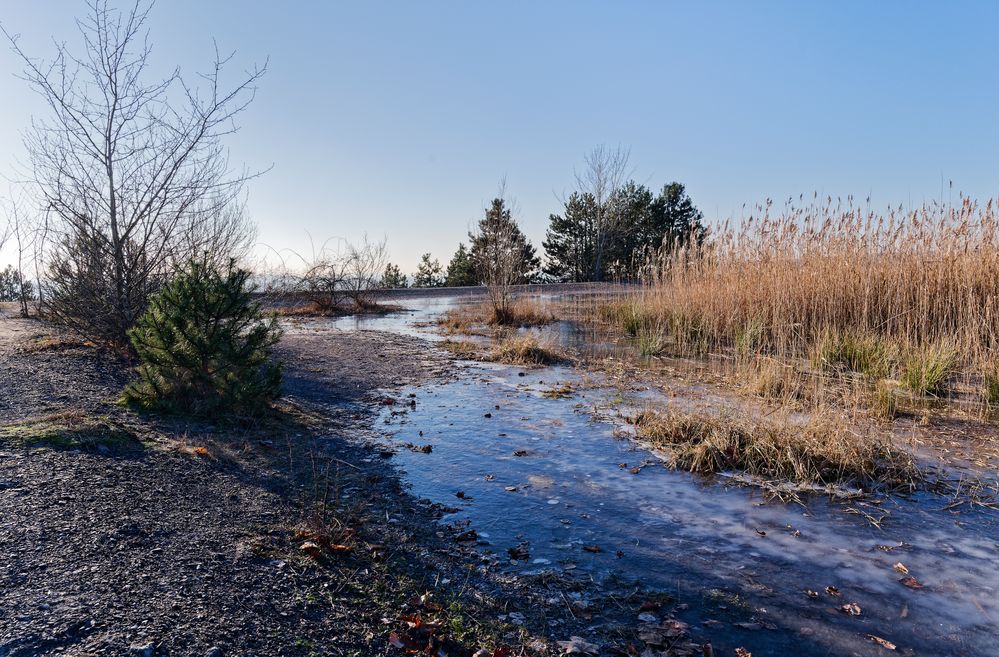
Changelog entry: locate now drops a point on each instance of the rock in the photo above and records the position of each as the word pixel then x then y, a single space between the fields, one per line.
pixel 214 651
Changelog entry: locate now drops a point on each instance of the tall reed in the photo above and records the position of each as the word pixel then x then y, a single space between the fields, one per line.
pixel 785 280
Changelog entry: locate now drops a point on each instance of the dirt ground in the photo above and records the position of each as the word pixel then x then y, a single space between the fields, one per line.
pixel 291 536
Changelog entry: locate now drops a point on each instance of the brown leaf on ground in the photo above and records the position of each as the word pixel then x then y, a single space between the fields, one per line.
pixel 884 643
pixel 742 652
pixel 851 608
pixel 911 582
pixel 900 568
pixel 833 591
pixel 593 548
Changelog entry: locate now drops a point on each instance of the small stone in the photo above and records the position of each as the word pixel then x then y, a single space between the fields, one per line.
pixel 214 651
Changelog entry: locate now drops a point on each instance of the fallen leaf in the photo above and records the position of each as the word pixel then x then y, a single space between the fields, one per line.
pixel 900 567
pixel 833 591
pixel 851 608
pixel 884 643
pixel 911 582
pixel 201 451
pixel 310 548
pixel 742 652
pixel 593 548
pixel 578 646
pixel 811 594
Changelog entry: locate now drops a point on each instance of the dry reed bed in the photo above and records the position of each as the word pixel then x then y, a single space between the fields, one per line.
pixel 911 297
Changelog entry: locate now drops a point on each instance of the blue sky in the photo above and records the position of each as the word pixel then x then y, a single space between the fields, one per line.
pixel 400 118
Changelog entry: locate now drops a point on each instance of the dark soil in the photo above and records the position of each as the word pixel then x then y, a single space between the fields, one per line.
pixel 290 536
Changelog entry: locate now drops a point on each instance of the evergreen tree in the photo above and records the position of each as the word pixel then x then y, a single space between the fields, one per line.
pixel 461 269
pixel 644 225
pixel 499 236
pixel 13 285
pixel 429 273
pixel 393 277
pixel 569 241
pixel 204 346
pixel 676 221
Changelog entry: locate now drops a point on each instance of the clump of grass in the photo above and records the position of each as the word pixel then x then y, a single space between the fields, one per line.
pixel 925 370
pixel 525 350
pixel 457 320
pixel 651 343
pixel 866 353
pixel 520 312
pixel 990 384
pixel 824 451
pixel 465 349
pixel 884 404
pixel 749 338
pixel 774 380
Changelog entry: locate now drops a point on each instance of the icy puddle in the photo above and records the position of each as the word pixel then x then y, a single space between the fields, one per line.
pixel 541 476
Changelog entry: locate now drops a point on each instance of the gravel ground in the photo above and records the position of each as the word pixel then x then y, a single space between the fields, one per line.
pixel 188 540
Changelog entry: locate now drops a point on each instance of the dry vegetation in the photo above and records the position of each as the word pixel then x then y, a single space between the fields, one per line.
pixel 520 312
pixel 825 451
pixel 525 350
pixel 906 298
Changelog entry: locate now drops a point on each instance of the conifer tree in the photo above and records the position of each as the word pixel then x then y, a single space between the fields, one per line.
pixel 204 346
pixel 499 238
pixel 393 277
pixel 461 269
pixel 429 273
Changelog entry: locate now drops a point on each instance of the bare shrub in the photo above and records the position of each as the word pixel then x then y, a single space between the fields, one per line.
pixel 340 275
pixel 132 169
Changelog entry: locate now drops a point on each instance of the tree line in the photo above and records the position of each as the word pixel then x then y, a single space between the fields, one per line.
pixel 609 228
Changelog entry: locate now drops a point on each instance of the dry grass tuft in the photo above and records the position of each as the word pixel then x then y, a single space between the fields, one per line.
pixel 525 350
pixel 824 451
pixel 522 312
pixel 464 349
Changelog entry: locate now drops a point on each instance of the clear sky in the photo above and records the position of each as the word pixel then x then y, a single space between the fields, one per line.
pixel 400 118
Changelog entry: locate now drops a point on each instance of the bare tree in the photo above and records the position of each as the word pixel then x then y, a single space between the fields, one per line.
pixel 132 169
pixel 602 178
pixel 365 263
pixel 24 235
pixel 339 271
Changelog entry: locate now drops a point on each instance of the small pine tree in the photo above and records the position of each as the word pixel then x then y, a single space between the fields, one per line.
pixel 429 273
pixel 205 346
pixel 393 277
pixel 461 270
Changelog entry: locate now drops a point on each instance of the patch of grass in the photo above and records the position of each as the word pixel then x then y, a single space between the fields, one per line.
pixel 465 349
pixel 525 350
pixel 521 312
pixel 990 385
pixel 867 354
pixel 824 451
pixel 651 343
pixel 69 430
pixel 774 380
pixel 749 339
pixel 884 404
pixel 925 370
